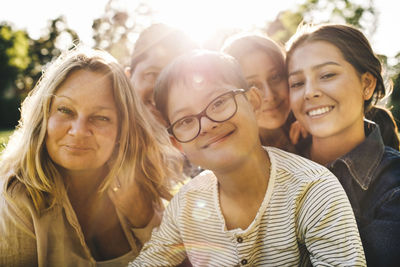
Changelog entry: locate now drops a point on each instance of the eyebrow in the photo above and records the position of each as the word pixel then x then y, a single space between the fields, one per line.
pixel 315 67
pixel 96 107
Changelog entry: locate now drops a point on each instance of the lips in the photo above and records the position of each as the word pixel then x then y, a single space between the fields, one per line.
pixel 76 148
pixel 217 138
pixel 314 112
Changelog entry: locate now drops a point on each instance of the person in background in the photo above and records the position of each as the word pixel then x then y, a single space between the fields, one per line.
pixel 84 174
pixel 255 206
pixel 263 64
pixel 335 79
pixel 154 49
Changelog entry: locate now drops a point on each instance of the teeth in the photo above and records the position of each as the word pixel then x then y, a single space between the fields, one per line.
pixel 319 111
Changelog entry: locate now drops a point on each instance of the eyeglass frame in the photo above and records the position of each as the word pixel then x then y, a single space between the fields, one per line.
pixel 203 113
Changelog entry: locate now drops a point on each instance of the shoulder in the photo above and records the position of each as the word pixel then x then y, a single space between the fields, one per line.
pixel 203 185
pixel 388 170
pixel 16 208
pixel 205 181
pixel 387 181
pixel 15 193
pixel 289 164
pixel 391 155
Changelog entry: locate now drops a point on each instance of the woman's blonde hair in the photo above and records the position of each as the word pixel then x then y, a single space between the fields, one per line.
pixel 143 151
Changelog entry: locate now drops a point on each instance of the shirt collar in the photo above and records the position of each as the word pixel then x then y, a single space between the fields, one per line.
pixel 363 160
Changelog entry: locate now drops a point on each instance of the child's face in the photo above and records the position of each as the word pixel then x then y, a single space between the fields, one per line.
pixel 261 72
pixel 219 145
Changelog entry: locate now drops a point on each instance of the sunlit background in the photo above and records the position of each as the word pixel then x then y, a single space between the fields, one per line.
pixel 41 29
pixel 199 18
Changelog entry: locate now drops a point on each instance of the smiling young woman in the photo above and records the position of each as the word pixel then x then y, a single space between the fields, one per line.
pixel 263 64
pixel 335 78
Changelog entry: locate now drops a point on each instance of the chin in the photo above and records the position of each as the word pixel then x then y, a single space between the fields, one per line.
pixel 271 125
pixel 321 131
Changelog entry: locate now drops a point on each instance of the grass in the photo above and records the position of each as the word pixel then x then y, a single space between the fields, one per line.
pixel 4 135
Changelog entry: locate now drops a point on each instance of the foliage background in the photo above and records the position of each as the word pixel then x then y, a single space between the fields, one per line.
pixel 22 58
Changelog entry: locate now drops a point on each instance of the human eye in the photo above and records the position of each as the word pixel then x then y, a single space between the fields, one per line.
pixel 220 102
pixel 149 101
pixel 151 75
pixel 295 84
pixel 185 123
pixel 328 75
pixel 64 110
pixel 101 118
pixel 275 78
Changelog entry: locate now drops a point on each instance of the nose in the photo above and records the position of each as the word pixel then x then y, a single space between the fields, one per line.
pixel 266 92
pixel 80 127
pixel 311 90
pixel 207 125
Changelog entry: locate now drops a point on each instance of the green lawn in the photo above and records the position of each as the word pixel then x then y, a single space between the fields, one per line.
pixel 4 134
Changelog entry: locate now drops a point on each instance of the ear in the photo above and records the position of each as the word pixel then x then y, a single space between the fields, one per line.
pixel 369 83
pixel 128 72
pixel 176 144
pixel 254 97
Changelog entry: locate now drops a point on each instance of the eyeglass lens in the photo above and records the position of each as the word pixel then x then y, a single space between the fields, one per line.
pixel 220 109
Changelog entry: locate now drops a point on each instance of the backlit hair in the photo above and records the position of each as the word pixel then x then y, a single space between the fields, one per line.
pixel 172 40
pixel 213 67
pixel 241 45
pixel 143 151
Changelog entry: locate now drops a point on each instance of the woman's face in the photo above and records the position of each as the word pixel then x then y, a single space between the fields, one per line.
pixel 83 123
pixel 326 92
pixel 260 71
pixel 145 75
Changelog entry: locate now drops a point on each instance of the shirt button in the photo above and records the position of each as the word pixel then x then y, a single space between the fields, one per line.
pixel 239 239
pixel 244 262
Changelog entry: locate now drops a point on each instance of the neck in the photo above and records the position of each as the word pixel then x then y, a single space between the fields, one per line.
pixel 326 150
pixel 83 185
pixel 249 179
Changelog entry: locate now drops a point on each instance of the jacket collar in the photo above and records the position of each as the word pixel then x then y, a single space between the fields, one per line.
pixel 363 160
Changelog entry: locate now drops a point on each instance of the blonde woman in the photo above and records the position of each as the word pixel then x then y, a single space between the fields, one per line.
pixel 84 175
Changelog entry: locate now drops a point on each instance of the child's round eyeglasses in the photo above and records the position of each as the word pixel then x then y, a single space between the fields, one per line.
pixel 220 109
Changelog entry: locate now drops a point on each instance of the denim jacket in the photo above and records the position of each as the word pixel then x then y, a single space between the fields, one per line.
pixel 370 175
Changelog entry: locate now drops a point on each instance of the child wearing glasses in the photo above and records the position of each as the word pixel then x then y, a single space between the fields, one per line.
pixel 256 206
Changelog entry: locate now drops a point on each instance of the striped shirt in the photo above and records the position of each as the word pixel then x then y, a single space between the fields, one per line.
pixel 305 218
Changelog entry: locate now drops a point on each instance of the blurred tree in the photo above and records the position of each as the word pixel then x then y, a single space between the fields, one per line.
pixel 56 38
pixel 117 29
pixel 14 59
pixel 361 14
pixel 22 60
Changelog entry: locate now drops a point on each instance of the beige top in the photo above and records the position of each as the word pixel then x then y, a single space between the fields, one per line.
pixel 54 238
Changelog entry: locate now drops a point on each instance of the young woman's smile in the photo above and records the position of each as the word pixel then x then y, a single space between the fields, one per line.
pixel 326 92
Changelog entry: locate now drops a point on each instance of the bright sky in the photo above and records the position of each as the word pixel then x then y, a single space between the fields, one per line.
pixel 201 16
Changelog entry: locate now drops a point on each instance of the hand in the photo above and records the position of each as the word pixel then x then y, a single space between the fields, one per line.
pixel 296 129
pixel 133 202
